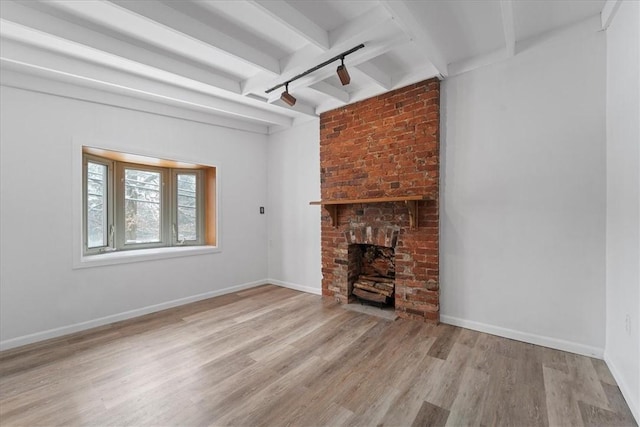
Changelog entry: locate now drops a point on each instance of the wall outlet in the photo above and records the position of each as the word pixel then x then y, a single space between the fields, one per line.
pixel 627 324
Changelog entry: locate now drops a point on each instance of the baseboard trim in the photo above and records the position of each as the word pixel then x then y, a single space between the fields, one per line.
pixel 624 388
pixel 77 327
pixel 302 288
pixel 555 343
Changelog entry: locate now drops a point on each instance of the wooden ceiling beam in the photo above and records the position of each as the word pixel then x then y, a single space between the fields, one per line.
pixel 401 11
pixel 50 63
pixel 64 29
pixel 290 17
pixel 161 23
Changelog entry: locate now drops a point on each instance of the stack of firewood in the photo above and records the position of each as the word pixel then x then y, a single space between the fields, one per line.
pixel 374 288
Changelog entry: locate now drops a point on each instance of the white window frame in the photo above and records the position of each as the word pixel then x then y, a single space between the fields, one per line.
pixel 165 217
pixel 200 198
pixel 109 209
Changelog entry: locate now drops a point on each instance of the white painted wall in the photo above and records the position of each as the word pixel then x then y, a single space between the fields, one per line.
pixel 39 290
pixel 294 225
pixel 622 351
pixel 523 196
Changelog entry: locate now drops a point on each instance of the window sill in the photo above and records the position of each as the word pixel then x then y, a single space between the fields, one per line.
pixel 138 255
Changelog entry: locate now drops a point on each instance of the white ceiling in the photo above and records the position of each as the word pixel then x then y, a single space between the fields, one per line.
pixel 218 57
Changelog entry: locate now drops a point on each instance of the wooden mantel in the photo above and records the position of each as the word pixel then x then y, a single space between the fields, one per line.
pixel 411 201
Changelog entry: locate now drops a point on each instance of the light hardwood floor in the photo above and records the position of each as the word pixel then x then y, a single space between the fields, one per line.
pixel 271 356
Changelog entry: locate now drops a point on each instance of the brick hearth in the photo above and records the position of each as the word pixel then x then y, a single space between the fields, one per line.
pixel 386 146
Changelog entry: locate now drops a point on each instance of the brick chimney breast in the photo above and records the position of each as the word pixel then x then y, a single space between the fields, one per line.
pixel 385 146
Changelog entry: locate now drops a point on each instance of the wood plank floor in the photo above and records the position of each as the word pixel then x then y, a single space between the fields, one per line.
pixel 271 356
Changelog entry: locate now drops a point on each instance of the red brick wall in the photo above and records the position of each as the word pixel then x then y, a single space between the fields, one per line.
pixel 384 146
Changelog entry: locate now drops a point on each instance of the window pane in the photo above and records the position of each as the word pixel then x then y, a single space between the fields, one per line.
pixel 142 196
pixel 187 217
pixel 96 205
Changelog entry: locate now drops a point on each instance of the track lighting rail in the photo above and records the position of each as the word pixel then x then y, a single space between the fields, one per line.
pixel 317 67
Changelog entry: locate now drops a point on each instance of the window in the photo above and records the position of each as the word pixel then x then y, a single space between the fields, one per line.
pixel 188 200
pixel 96 204
pixel 136 202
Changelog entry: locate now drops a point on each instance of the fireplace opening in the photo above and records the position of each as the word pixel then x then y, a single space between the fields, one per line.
pixel 372 273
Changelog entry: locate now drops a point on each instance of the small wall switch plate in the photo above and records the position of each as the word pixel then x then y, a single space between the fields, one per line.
pixel 261 209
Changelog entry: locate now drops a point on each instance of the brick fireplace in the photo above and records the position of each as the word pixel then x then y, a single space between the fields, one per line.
pixel 382 148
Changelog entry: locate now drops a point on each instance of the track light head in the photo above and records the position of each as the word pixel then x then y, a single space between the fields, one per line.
pixel 343 74
pixel 287 97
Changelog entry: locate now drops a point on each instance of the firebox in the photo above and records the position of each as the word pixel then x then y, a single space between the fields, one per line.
pixel 372 273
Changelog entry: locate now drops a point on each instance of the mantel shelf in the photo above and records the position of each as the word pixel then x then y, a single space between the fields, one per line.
pixel 411 201
pixel 373 200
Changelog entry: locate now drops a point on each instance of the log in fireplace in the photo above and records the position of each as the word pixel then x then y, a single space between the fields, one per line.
pixel 372 273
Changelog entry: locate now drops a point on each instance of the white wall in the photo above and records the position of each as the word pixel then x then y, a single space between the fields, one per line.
pixel 523 196
pixel 39 290
pixel 622 351
pixel 294 225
